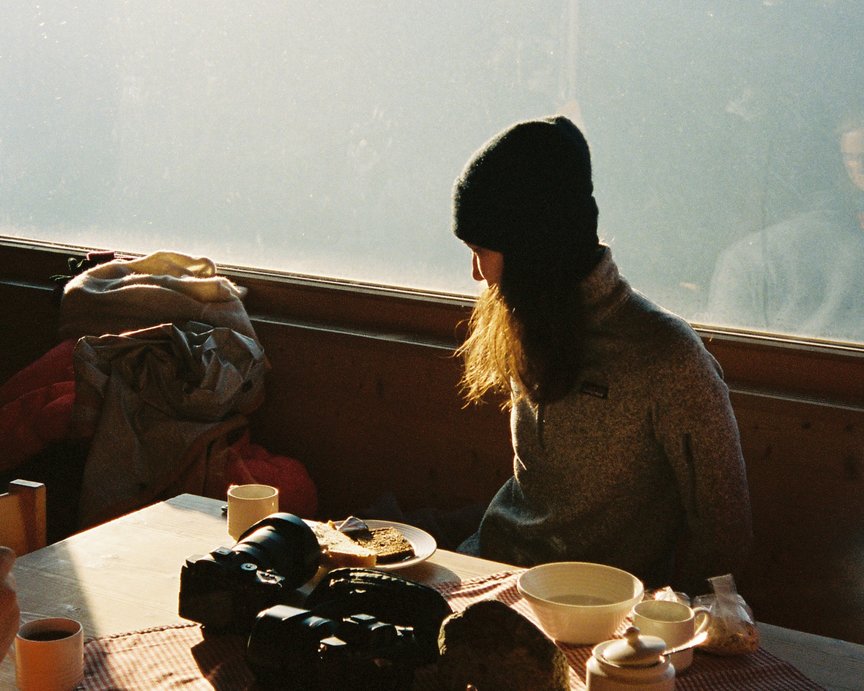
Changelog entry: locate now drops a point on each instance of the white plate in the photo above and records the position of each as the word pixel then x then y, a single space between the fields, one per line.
pixel 423 543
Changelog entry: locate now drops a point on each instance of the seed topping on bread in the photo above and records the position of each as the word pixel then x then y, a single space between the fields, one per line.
pixel 388 543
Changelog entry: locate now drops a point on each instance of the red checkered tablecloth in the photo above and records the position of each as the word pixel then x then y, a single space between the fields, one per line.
pixel 182 656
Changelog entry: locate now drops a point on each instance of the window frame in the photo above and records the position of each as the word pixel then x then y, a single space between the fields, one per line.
pixel 753 363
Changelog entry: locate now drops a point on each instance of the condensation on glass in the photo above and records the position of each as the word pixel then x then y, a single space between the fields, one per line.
pixel 323 138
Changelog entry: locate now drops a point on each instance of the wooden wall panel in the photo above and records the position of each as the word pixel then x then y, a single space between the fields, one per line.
pixel 28 326
pixel 806 472
pixel 370 415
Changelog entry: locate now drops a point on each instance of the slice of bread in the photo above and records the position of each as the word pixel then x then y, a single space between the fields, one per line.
pixel 339 550
pixel 388 544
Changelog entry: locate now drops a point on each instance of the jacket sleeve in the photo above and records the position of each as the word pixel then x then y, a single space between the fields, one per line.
pixel 696 426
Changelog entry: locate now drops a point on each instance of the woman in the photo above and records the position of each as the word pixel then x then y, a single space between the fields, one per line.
pixel 626 448
pixel 9 613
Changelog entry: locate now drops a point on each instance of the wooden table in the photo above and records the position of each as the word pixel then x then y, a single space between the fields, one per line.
pixel 125 575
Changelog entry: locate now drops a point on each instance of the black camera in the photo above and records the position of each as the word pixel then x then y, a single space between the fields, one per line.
pixel 292 648
pixel 362 629
pixel 226 589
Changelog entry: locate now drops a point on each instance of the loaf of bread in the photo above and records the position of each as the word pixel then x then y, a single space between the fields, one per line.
pixel 389 544
pixel 491 646
pixel 337 549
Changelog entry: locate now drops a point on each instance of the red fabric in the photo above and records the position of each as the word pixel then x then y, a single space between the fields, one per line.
pixel 54 366
pixel 36 406
pixel 251 463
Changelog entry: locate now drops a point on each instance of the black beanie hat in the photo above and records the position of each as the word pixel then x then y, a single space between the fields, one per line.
pixel 528 191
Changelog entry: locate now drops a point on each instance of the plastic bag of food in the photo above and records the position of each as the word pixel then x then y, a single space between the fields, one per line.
pixel 733 629
pixel 666 593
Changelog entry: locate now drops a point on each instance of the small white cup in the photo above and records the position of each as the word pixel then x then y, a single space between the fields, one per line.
pixel 248 504
pixel 674 622
pixel 49 655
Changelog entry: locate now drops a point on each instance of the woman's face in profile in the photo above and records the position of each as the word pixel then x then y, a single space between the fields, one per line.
pixel 486 265
pixel 852 148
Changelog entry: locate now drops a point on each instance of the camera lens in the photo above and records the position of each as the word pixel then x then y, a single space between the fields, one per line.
pixel 288 638
pixel 295 648
pixel 284 543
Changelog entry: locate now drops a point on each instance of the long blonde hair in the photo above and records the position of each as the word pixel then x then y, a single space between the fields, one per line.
pixel 492 352
pixel 526 336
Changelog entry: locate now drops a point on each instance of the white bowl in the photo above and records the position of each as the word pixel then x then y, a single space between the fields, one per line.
pixel 579 602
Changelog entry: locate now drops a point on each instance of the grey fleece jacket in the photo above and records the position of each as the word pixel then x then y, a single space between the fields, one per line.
pixel 641 457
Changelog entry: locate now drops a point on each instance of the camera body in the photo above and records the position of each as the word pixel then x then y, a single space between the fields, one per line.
pixel 226 589
pixel 293 648
pixel 225 593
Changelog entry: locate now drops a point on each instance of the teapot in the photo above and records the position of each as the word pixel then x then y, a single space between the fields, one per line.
pixel 632 662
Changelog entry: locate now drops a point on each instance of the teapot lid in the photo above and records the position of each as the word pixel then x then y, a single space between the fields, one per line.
pixel 634 650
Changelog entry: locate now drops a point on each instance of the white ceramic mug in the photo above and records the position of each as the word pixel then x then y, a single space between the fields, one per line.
pixel 674 622
pixel 248 504
pixel 49 655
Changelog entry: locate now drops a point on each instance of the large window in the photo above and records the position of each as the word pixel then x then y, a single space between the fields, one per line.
pixel 323 138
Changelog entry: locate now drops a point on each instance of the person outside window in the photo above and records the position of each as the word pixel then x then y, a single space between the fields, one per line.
pixel 626 450
pixel 802 276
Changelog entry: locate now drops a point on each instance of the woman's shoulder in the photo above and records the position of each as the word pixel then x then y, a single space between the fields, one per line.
pixel 661 339
pixel 656 323
pixel 619 308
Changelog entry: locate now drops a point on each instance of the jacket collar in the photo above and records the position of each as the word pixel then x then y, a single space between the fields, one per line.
pixel 604 289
